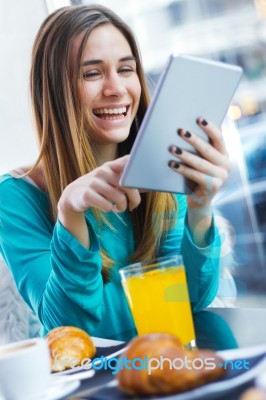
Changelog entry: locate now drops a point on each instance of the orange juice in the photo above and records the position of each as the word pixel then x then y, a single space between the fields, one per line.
pixel 159 302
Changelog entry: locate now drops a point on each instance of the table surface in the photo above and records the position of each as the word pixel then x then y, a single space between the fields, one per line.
pixel 219 329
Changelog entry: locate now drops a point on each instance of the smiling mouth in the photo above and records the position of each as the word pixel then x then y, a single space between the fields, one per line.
pixel 111 113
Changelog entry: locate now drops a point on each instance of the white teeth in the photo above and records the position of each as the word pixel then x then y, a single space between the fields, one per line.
pixel 112 118
pixel 121 110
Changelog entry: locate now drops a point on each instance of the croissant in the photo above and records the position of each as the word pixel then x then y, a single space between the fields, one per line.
pixel 69 347
pixel 163 379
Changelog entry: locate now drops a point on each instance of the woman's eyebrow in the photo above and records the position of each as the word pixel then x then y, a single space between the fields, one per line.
pixel 93 62
pixel 128 58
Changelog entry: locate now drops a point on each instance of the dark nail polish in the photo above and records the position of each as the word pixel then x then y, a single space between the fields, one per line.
pixel 187 134
pixel 178 150
pixel 179 131
pixel 202 121
pixel 173 164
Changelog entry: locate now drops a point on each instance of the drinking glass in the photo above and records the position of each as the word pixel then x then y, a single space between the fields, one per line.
pixel 158 298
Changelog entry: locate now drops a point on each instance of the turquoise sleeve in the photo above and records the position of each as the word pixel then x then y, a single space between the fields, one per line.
pixel 202 263
pixel 55 274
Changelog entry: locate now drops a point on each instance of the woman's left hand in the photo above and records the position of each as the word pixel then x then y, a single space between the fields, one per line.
pixel 209 170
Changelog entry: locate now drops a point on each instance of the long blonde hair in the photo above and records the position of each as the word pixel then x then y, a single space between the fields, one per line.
pixel 62 125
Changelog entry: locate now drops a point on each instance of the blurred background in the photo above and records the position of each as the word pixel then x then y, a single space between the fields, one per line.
pixel 232 31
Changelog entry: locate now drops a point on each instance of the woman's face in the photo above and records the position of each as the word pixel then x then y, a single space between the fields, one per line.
pixel 110 88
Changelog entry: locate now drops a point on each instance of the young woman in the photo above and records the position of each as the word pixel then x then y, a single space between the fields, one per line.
pixel 66 224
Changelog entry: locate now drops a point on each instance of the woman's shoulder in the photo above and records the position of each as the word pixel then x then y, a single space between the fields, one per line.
pixel 22 192
pixel 6 180
pixel 5 177
pixel 22 195
pixel 35 177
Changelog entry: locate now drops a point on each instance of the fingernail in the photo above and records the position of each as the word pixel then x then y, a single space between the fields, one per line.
pixel 178 150
pixel 173 164
pixel 182 132
pixel 202 121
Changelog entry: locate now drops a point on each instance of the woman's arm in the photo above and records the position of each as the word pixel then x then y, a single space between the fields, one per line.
pixel 100 189
pixel 56 275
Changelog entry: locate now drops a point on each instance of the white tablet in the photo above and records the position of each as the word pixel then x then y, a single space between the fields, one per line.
pixel 188 88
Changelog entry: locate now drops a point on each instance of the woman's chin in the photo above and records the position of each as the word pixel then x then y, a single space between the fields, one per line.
pixel 115 135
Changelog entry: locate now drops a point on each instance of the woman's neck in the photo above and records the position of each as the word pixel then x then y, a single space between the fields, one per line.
pixel 106 152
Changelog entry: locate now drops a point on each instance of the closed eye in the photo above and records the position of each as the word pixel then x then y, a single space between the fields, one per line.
pixel 90 75
pixel 126 71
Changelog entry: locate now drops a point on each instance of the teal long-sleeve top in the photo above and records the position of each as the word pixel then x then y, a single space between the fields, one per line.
pixel 61 280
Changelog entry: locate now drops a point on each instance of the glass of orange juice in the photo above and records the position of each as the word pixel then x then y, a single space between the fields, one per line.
pixel 158 298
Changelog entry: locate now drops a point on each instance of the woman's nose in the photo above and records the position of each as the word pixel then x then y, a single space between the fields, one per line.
pixel 113 86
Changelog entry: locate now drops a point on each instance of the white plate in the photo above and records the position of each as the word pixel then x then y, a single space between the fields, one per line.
pixel 57 391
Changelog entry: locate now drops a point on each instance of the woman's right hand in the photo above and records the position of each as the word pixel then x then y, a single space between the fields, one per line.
pixel 100 189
